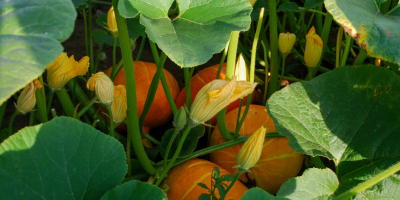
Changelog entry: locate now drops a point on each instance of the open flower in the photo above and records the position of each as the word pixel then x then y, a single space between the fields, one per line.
pixel 313 50
pixel 112 22
pixel 26 100
pixel 215 96
pixel 251 150
pixel 119 105
pixel 286 42
pixel 63 69
pixel 103 86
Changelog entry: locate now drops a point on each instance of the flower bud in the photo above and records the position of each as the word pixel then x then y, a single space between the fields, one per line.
pixel 180 119
pixel 103 86
pixel 63 69
pixel 215 96
pixel 119 105
pixel 286 42
pixel 241 69
pixel 112 22
pixel 251 150
pixel 26 100
pixel 313 49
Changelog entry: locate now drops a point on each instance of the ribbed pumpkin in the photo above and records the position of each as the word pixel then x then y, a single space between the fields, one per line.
pixel 278 161
pixel 160 111
pixel 182 181
pixel 200 80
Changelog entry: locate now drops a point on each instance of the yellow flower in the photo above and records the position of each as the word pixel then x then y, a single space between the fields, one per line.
pixel 251 150
pixel 241 69
pixel 119 105
pixel 63 69
pixel 112 22
pixel 286 42
pixel 26 100
pixel 313 50
pixel 215 96
pixel 103 86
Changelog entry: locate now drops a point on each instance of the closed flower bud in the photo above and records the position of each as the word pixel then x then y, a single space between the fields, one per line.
pixel 112 22
pixel 103 86
pixel 313 50
pixel 63 69
pixel 180 119
pixel 26 100
pixel 119 105
pixel 251 150
pixel 241 69
pixel 215 96
pixel 286 42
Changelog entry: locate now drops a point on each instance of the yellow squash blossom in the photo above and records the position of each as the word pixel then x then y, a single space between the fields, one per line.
pixel 251 150
pixel 26 100
pixel 112 22
pixel 103 86
pixel 313 50
pixel 119 105
pixel 286 42
pixel 215 96
pixel 63 69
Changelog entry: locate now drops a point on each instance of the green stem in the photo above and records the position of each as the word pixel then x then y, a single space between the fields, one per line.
pixel 166 155
pixel 349 42
pixel 243 117
pixel 90 40
pixel 142 43
pixel 291 18
pixel 362 55
pixel 41 105
pixel 113 55
pixel 222 125
pixel 175 156
pixel 11 122
pixel 86 33
pixel 234 180
pixel 2 111
pixel 128 154
pixel 170 99
pixel 274 48
pixel 325 33
pixel 237 128
pixel 117 69
pixel 311 73
pixel 282 71
pixel 393 9
pixel 66 102
pixel 283 77
pixel 49 101
pixel 254 48
pixel 369 183
pixel 154 51
pixel 317 162
pixel 385 7
pixel 266 81
pixel 302 9
pixel 133 123
pixel 338 46
pixel 97 57
pixel 102 2
pixel 110 114
pixel 222 60
pixel 95 123
pixel 53 113
pixel 233 45
pixel 86 108
pixel 188 101
pixel 32 118
pixel 318 20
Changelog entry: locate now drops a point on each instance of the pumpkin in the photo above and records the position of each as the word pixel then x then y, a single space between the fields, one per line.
pixel 182 181
pixel 160 111
pixel 278 161
pixel 200 80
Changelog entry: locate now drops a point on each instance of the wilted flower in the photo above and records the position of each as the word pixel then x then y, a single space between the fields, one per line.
pixel 26 100
pixel 286 42
pixel 63 69
pixel 119 105
pixel 251 150
pixel 103 86
pixel 241 69
pixel 112 22
pixel 215 96
pixel 313 50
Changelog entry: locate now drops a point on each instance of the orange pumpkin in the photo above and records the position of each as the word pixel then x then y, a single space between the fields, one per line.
pixel 278 161
pixel 182 181
pixel 160 111
pixel 200 80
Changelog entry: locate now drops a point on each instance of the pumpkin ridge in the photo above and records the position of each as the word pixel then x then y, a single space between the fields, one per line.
pixel 202 80
pixel 147 72
pixel 195 184
pixel 294 154
pixel 188 167
pixel 268 142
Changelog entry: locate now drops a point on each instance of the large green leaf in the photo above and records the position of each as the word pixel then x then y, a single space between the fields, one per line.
pixel 135 190
pixel 30 36
pixel 60 159
pixel 376 33
pixel 350 115
pixel 313 184
pixel 201 29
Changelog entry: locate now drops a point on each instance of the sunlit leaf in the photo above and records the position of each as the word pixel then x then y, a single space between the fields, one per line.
pixel 135 190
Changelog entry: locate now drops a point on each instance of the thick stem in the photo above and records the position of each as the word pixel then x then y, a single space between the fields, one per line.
pixel 362 55
pixel 66 102
pixel 49 101
pixel 222 125
pixel 230 65
pixel 2 111
pixel 170 99
pixel 317 162
pixel 274 47
pixel 10 123
pixel 234 180
pixel 133 123
pixel 32 118
pixel 338 46
pixel 325 33
pixel 254 47
pixel 349 42
pixel 41 105
pixel 188 101
pixel 318 20
pixel 291 18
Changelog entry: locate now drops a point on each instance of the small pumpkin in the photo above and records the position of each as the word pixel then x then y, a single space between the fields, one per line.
pixel 160 111
pixel 200 80
pixel 182 181
pixel 278 161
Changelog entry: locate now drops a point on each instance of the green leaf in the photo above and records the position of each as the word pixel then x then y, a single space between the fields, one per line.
pixel 135 29
pixel 313 3
pixel 60 159
pixel 78 3
pixel 201 29
pixel 205 196
pixel 289 6
pixel 135 190
pixel 101 37
pixel 313 184
pixel 30 36
pixel 377 34
pixel 379 3
pixel 189 145
pixel 350 115
pixel 255 14
pixel 203 185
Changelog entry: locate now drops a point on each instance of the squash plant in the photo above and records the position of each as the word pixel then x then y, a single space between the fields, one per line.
pixel 343 107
